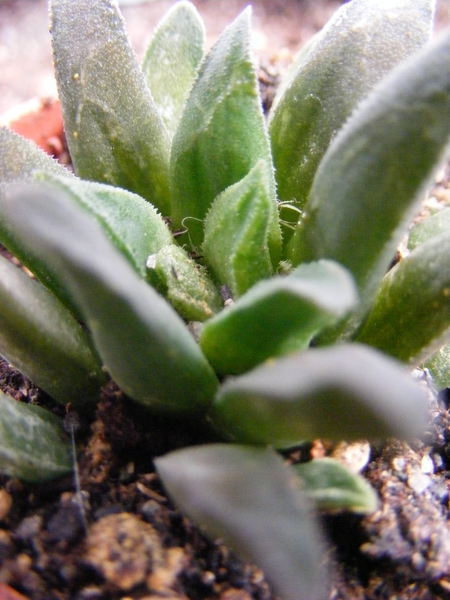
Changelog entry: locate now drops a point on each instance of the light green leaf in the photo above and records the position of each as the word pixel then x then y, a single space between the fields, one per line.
pixel 42 339
pixel 144 344
pixel 33 444
pixel 411 313
pixel 331 485
pixel 356 49
pixel 222 133
pixel 429 228
pixel 277 317
pixel 114 132
pixel 249 498
pixel 343 393
pixel 438 366
pixel 185 284
pixel 171 60
pixel 242 236
pixel 372 178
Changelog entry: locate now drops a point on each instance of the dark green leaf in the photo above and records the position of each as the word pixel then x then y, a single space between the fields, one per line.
pixel 33 444
pixel 114 132
pixel 171 60
pixel 249 498
pixel 277 317
pixel 144 344
pixel 222 133
pixel 331 485
pixel 342 393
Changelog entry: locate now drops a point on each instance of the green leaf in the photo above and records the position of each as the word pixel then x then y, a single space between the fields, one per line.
pixel 242 236
pixel 347 392
pixel 144 344
pixel 185 284
pixel 114 132
pixel 277 317
pixel 331 485
pixel 222 133
pixel 373 176
pixel 438 366
pixel 171 60
pixel 356 49
pixel 249 498
pixel 42 339
pixel 33 444
pixel 411 313
pixel 428 228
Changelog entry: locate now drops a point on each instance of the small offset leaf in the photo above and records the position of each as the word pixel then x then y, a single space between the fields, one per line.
pixel 114 131
pixel 331 485
pixel 277 317
pixel 438 366
pixel 429 228
pixel 249 498
pixel 144 344
pixel 222 132
pixel 186 284
pixel 44 341
pixel 356 49
pixel 171 60
pixel 33 444
pixel 242 236
pixel 372 178
pixel 347 392
pixel 411 313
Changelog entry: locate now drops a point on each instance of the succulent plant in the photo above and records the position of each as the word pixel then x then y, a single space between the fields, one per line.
pixel 217 266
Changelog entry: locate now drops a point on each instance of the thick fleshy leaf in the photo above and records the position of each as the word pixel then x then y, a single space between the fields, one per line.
pixel 331 485
pixel 144 344
pixel 371 180
pixel 429 228
pixel 33 444
pixel 343 393
pixel 222 133
pixel 277 317
pixel 242 237
pixel 438 366
pixel 185 284
pixel 249 498
pixel 410 318
pixel 356 49
pixel 114 131
pixel 171 60
pixel 44 341
pixel 131 223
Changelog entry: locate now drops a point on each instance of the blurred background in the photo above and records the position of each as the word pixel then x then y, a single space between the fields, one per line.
pixel 279 26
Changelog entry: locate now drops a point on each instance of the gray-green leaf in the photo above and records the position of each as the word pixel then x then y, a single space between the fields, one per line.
pixel 33 444
pixel 429 228
pixel 114 131
pixel 144 344
pixel 222 133
pixel 171 60
pixel 249 498
pixel 277 317
pixel 347 392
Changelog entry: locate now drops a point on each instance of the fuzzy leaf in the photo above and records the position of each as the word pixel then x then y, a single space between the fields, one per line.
pixel 186 284
pixel 171 60
pixel 356 49
pixel 222 133
pixel 429 228
pixel 242 236
pixel 371 180
pixel 33 444
pixel 342 393
pixel 331 485
pixel 114 132
pixel 277 317
pixel 411 313
pixel 144 344
pixel 42 339
pixel 438 366
pixel 248 498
